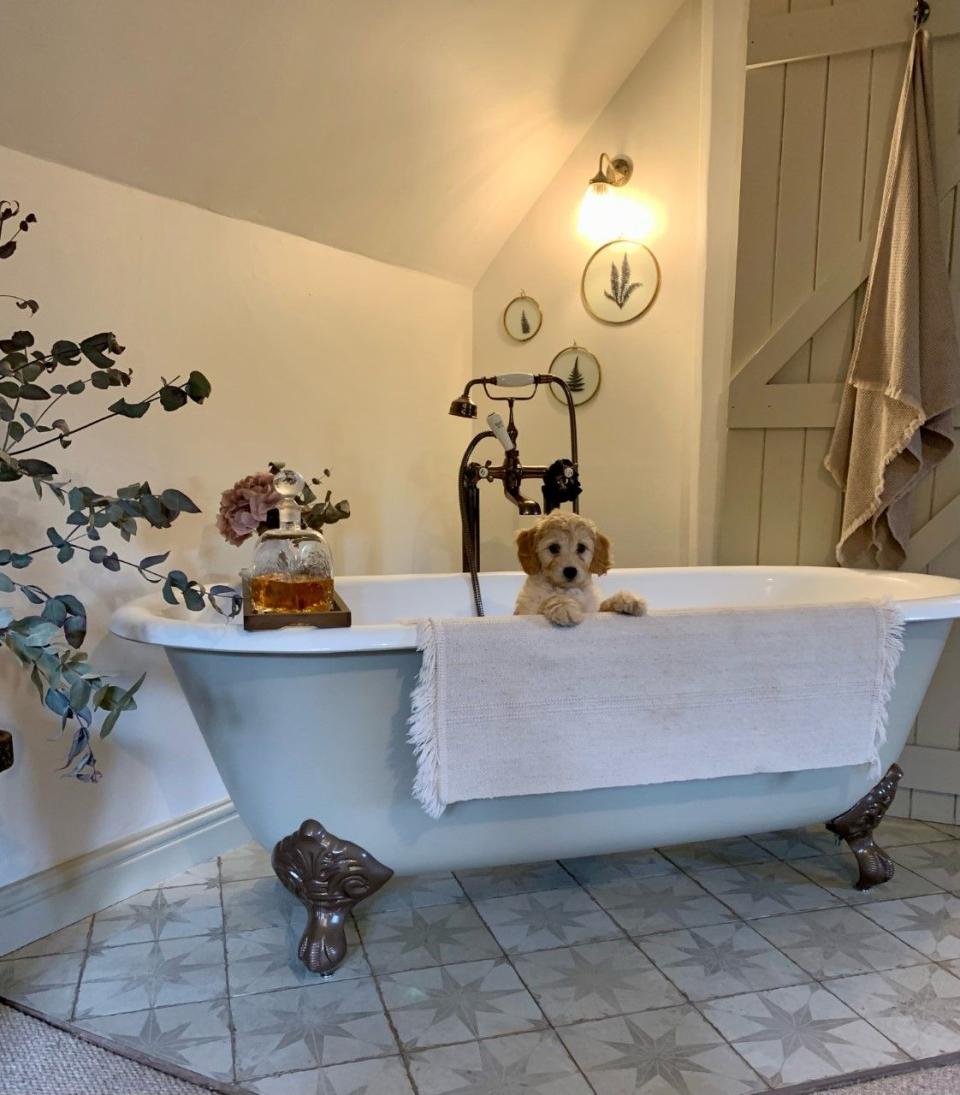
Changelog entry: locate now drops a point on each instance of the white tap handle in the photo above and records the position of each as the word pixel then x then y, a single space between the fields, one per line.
pixel 514 380
pixel 495 422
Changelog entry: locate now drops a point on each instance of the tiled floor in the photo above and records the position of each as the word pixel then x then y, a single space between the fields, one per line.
pixel 718 968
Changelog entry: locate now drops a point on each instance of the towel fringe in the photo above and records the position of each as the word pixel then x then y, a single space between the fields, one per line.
pixel 422 724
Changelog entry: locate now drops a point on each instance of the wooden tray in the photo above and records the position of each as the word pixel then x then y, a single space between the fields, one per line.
pixel 338 616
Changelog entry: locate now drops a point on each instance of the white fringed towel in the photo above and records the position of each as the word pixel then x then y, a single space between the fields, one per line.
pixel 515 706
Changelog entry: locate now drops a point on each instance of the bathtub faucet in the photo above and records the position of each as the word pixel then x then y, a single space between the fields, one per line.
pixel 511 472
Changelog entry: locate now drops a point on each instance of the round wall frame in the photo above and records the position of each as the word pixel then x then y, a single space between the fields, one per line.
pixel 620 281
pixel 522 318
pixel 580 369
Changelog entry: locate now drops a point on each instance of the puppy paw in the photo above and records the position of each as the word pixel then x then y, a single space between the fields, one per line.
pixel 562 611
pixel 626 604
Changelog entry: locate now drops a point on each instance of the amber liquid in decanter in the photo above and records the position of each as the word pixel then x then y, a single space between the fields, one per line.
pixel 290 593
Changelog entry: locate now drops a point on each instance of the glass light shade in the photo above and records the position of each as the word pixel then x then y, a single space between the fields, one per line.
pixel 607 213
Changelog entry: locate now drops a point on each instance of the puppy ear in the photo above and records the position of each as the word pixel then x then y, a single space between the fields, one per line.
pixel 527 550
pixel 601 561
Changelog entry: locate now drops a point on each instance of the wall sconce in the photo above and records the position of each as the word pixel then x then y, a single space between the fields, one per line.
pixel 601 210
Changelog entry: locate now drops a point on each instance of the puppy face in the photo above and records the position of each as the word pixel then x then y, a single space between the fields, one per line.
pixel 565 548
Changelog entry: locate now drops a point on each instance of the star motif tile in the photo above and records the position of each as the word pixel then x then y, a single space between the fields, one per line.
pixel 703 854
pixel 764 889
pixel 551 918
pixel 838 873
pixel 798 843
pixel 415 892
pixel 894 832
pixel 260 903
pixel 146 975
pixel 246 862
pixel 193 1036
pixel 672 1050
pixel 835 942
pixel 168 913
pixel 594 980
pixel 380 1076
pixel 47 983
pixel 306 1028
pixel 659 903
pixel 518 1064
pixel 65 941
pixel 517 879
pixel 594 869
pixel 458 1003
pixel 930 924
pixel 792 1035
pixel 204 874
pixel 918 1008
pixel 937 862
pixel 266 958
pixel 435 935
pixel 720 959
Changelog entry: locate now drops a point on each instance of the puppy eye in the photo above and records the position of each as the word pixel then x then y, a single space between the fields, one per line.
pixel 554 549
pixel 581 548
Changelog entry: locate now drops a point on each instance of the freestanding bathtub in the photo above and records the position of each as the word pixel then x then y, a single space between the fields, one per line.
pixel 306 723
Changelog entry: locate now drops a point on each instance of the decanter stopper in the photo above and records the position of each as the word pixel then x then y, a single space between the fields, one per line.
pixel 288 484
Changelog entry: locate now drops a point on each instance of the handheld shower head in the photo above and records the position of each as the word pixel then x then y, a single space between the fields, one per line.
pixel 463 407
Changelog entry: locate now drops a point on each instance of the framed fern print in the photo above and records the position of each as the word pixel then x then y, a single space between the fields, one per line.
pixel 620 281
pixel 522 318
pixel 580 369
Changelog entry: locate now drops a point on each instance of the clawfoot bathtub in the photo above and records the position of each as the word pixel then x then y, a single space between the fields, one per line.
pixel 308 723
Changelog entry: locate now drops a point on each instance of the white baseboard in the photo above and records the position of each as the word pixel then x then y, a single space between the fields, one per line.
pixel 42 903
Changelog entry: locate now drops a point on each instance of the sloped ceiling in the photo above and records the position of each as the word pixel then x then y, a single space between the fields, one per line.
pixel 414 131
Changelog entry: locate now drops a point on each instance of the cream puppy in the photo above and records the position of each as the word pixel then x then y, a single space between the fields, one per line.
pixel 560 554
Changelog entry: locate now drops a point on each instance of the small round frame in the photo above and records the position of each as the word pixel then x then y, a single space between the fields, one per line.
pixel 522 318
pixel 580 369
pixel 620 281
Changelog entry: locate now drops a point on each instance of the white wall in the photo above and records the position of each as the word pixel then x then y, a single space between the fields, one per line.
pixel 316 356
pixel 638 437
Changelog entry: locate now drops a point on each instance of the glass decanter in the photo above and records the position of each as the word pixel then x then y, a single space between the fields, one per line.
pixel 293 567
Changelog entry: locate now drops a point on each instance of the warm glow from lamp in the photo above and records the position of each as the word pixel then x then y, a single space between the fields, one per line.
pixel 607 213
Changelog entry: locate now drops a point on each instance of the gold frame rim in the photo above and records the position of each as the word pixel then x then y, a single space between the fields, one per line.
pixel 576 346
pixel 583 281
pixel 510 303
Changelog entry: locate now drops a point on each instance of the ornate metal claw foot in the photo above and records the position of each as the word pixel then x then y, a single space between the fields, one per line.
pixel 856 828
pixel 329 876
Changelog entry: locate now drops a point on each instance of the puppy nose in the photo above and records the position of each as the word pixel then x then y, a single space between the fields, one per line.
pixel 569 573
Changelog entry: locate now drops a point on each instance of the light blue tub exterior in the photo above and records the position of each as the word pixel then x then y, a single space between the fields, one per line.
pixel 321 732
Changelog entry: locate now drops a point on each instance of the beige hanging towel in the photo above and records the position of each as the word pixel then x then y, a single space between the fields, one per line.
pixel 895 422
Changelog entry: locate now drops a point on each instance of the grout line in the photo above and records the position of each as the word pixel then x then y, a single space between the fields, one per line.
pixel 226 974
pixel 83 968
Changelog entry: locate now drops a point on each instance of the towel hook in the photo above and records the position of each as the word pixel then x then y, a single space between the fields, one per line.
pixel 921 13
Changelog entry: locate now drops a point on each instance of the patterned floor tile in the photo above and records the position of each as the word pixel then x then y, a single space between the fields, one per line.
pixel 148 975
pixel 65 941
pixel 410 939
pixel 944 827
pixel 798 843
pixel 246 862
pixel 307 1028
pixel 260 903
pixel 835 942
pixel 765 889
pixel 194 1036
pixel 594 981
pixel 519 878
pixel 47 983
pixel 415 892
pixel 838 873
pixel 703 854
pixel 918 1008
pixel 657 904
pixel 158 914
pixel 930 924
pixel 267 959
pixel 552 918
pixel 594 869
pixel 936 862
pixel 531 1064
pixel 459 1003
pixel 381 1076
pixel 719 960
pixel 792 1035
pixel 658 1053
pixel 204 874
pixel 893 832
